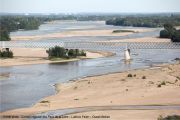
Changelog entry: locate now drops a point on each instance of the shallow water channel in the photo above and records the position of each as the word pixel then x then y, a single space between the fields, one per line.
pixel 27 84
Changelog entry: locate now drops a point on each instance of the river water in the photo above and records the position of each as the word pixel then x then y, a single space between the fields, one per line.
pixel 27 84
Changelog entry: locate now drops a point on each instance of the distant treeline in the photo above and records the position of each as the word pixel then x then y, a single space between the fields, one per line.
pixel 9 23
pixel 146 21
pixel 13 23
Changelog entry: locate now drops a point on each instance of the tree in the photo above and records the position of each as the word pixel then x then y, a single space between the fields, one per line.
pixel 57 51
pixel 164 34
pixel 170 29
pixel 176 36
pixel 170 32
pixel 6 54
pixel 4 35
pixel 72 53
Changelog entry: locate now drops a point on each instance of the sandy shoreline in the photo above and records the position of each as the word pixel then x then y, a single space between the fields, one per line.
pixel 159 87
pixel 144 39
pixel 28 56
pixel 152 86
pixel 78 33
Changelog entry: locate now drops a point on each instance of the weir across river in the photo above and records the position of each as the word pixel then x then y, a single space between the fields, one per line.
pixel 95 45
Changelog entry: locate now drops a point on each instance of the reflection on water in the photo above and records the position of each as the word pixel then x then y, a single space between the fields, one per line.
pixel 64 26
pixel 23 86
pixel 28 84
pixel 4 76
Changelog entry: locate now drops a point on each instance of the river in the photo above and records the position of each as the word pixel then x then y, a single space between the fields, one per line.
pixel 27 84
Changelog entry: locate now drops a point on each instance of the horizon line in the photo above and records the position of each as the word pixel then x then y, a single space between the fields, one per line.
pixel 90 12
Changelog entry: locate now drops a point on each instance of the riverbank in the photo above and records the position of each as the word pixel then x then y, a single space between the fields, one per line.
pixel 28 56
pixel 154 86
pixel 144 39
pixel 81 33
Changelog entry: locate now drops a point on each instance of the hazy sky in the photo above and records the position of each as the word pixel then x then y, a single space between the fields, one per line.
pixel 75 6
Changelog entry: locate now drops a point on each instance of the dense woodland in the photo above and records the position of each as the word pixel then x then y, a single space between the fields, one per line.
pixel 147 21
pixel 15 22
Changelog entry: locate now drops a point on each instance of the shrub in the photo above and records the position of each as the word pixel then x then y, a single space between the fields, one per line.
pixel 163 83
pixel 121 31
pixel 164 34
pixel 177 59
pixel 159 85
pixel 143 77
pixel 176 36
pixel 57 51
pixel 72 53
pixel 60 52
pixel 76 52
pixel 44 101
pixel 129 75
pixel 173 117
pixel 178 77
pixel 6 54
pixel 82 53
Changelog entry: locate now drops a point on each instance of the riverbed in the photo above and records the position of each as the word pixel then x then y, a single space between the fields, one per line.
pixel 24 85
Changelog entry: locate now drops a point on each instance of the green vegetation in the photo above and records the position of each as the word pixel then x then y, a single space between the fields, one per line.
pixel 121 31
pixel 143 77
pixel 178 77
pixel 44 101
pixel 144 21
pixel 162 83
pixel 170 32
pixel 57 52
pixel 31 22
pixel 129 75
pixel 75 53
pixel 13 23
pixel 6 54
pixel 60 52
pixel 176 36
pixel 173 117
pixel 159 85
pixel 164 34
pixel 4 34
pixel 9 23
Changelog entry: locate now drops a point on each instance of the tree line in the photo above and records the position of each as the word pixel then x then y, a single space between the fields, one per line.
pixel 14 23
pixel 61 52
pixel 145 21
